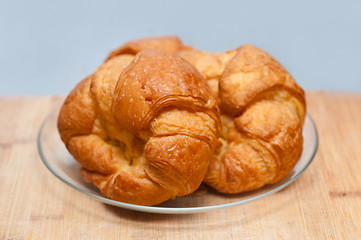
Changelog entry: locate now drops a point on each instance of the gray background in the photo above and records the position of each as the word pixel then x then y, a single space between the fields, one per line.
pixel 46 47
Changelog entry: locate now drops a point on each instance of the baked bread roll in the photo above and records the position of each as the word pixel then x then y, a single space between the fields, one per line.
pixel 263 111
pixel 143 126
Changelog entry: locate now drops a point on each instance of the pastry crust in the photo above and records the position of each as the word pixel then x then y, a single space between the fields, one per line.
pixel 143 127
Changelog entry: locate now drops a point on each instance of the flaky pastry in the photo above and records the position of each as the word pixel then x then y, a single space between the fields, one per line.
pixel 143 126
pixel 263 111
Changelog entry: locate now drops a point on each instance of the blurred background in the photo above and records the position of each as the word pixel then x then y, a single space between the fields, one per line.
pixel 46 47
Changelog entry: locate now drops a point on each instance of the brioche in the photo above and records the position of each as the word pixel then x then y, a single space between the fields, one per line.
pixel 143 126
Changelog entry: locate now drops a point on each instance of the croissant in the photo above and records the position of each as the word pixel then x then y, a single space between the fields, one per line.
pixel 262 111
pixel 144 125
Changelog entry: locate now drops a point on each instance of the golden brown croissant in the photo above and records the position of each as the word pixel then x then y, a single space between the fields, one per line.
pixel 144 125
pixel 263 111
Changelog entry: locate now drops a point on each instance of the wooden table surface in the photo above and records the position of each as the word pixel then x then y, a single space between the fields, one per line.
pixel 324 203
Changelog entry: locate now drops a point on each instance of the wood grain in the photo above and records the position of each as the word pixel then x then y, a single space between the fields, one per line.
pixel 324 203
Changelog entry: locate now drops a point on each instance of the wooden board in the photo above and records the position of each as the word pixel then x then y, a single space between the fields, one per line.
pixel 324 203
